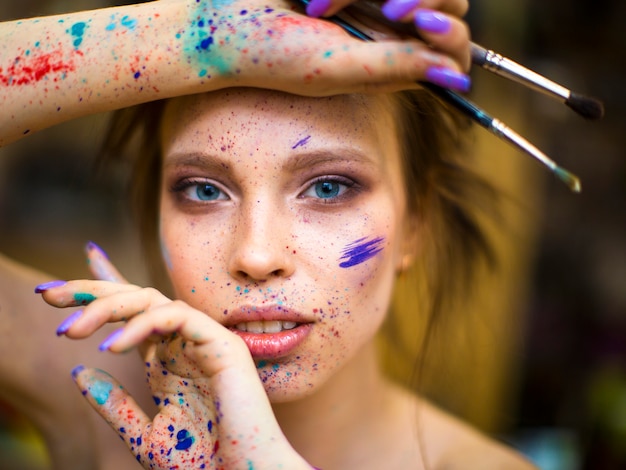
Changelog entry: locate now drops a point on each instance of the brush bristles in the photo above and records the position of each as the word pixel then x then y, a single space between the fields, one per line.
pixel 568 178
pixel 588 108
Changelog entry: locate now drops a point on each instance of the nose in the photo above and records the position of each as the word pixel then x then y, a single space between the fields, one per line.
pixel 260 249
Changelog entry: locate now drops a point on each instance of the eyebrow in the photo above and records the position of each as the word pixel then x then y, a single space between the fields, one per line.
pixel 294 163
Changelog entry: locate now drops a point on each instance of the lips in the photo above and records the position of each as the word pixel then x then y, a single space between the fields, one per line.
pixel 269 332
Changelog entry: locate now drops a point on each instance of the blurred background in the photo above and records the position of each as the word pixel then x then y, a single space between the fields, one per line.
pixel 549 372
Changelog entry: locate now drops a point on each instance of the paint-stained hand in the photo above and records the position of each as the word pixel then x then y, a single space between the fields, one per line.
pixel 253 44
pixel 213 409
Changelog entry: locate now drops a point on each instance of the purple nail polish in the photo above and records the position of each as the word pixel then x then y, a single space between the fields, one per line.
pixel 77 370
pixel 397 9
pixel 432 21
pixel 48 285
pixel 112 338
pixel 317 8
pixel 68 322
pixel 93 246
pixel 448 78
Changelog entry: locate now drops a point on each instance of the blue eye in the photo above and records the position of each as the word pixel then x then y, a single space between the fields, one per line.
pixel 327 189
pixel 199 191
pixel 207 192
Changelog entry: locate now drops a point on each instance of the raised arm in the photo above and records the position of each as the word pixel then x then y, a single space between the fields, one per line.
pixel 61 67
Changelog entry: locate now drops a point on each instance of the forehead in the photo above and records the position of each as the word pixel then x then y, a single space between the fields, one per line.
pixel 244 117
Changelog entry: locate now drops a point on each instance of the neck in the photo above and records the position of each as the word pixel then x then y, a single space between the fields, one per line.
pixel 354 408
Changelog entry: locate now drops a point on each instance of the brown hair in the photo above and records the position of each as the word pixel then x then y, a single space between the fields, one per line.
pixel 442 192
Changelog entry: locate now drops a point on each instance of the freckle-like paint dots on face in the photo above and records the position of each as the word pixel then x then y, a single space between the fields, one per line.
pixel 284 146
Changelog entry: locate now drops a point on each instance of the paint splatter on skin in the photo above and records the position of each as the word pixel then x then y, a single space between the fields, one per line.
pixel 360 251
pixel 83 298
pixel 77 31
pixel 125 22
pixel 34 65
pixel 185 440
pixel 301 142
pixel 100 391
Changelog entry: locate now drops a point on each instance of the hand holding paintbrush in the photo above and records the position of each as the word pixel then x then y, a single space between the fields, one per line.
pixel 354 18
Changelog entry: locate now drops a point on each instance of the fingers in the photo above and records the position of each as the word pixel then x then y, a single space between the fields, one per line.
pixel 100 265
pixel 446 34
pixel 212 346
pixel 326 8
pixel 436 22
pixel 111 401
pixel 390 66
pixel 104 302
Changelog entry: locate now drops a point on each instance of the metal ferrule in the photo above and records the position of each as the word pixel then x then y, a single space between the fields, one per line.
pixel 503 131
pixel 507 68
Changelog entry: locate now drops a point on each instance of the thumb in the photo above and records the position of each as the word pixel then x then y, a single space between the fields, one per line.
pixel 113 403
pixel 100 265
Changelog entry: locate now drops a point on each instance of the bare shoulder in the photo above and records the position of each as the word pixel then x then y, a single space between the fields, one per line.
pixel 452 444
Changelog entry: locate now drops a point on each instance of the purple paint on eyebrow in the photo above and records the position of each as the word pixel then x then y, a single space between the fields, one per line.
pixel 360 251
pixel 301 142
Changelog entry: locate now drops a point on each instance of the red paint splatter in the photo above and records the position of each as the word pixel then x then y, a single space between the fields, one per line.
pixel 28 69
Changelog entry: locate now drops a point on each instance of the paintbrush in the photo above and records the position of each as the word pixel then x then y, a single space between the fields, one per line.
pixel 585 106
pixel 472 111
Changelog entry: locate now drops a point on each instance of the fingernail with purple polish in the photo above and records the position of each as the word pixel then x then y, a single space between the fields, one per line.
pixel 398 9
pixel 91 246
pixel 77 370
pixel 432 21
pixel 112 338
pixel 68 322
pixel 317 8
pixel 448 78
pixel 48 285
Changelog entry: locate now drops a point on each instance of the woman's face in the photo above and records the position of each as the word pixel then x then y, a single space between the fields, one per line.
pixel 283 218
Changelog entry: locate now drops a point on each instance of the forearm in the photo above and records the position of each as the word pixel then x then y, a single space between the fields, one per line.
pixel 61 67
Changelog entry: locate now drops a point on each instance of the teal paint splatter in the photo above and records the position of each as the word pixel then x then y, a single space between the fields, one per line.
pixel 77 31
pixel 261 364
pixel 199 41
pixel 327 54
pixel 128 22
pixel 100 391
pixel 83 298
pixel 250 465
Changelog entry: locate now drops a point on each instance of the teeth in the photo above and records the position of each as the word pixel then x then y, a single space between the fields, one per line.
pixel 273 326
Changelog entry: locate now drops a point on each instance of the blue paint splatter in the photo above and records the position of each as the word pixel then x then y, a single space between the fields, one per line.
pixel 100 391
pixel 210 426
pixel 301 142
pixel 185 440
pixel 78 30
pixel 360 251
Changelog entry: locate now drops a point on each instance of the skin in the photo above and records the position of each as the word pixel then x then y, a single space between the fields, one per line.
pixel 95 61
pixel 61 67
pixel 268 238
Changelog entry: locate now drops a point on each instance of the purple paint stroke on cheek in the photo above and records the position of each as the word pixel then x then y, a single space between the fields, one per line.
pixel 360 251
pixel 301 142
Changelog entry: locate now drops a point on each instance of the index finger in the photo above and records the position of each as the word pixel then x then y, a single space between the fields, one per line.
pixel 100 265
pixel 326 8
